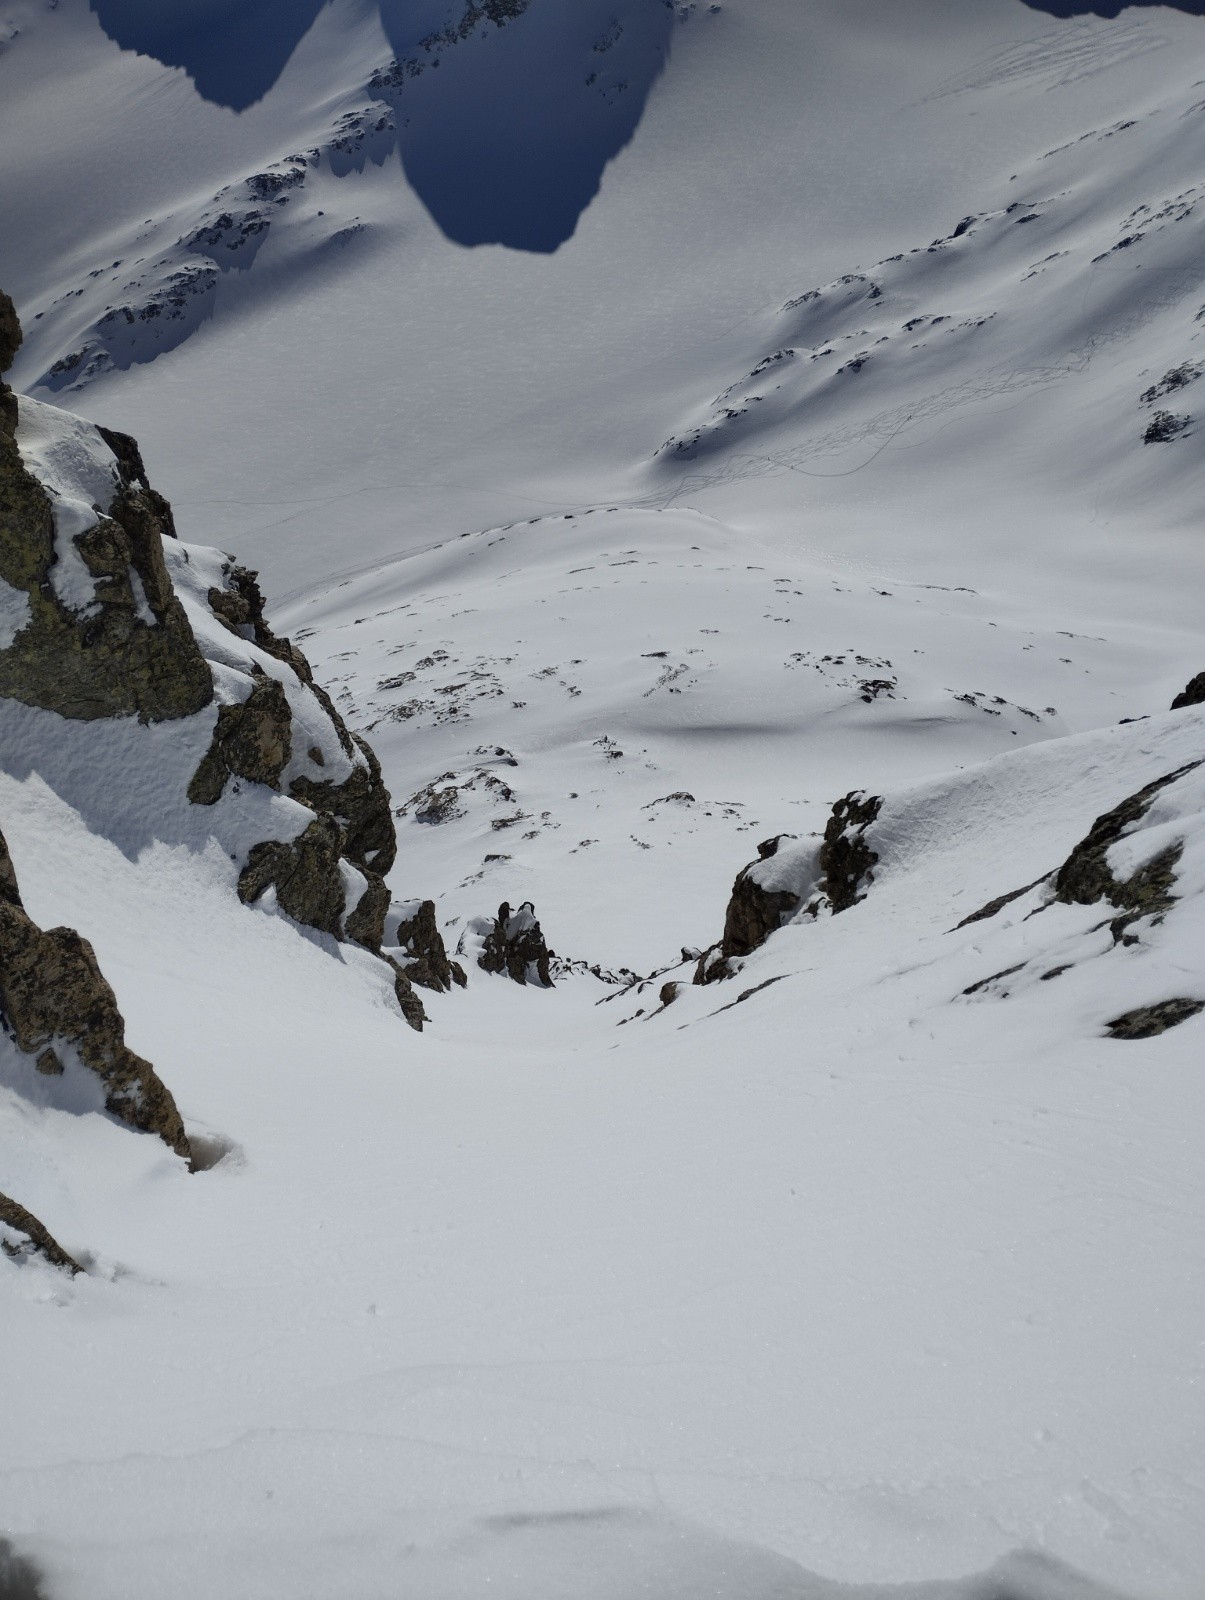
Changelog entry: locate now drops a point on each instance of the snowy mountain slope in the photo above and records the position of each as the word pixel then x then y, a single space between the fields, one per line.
pixel 880 1260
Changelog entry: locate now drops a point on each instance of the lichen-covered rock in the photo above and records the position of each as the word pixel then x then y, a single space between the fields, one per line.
pixel 105 634
pixel 252 740
pixel 54 1002
pixel 414 931
pixel 847 861
pixel 515 946
pixel 22 1236
pixel 1193 694
pixel 305 873
pixel 1086 878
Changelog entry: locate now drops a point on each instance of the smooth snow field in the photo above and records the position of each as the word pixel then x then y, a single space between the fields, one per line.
pixel 654 422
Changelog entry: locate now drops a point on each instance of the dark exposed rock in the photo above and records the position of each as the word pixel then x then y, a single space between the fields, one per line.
pixel 1164 426
pixel 1148 1021
pixel 35 1241
pixel 240 606
pixel 755 911
pixel 516 947
pixel 133 476
pixel 10 333
pixel 412 1007
pixel 418 934
pixel 53 997
pixel 365 924
pixel 1085 878
pixel 998 904
pixel 305 874
pixel 1192 695
pixel 252 740
pixel 20 1579
pixel 846 860
pixel 111 660
pixel 362 805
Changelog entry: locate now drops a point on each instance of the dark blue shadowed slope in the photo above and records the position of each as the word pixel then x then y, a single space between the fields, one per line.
pixel 1110 8
pixel 507 141
pixel 233 50
pixel 508 111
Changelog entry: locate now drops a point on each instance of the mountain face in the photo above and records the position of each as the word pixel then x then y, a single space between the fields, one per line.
pixel 602 965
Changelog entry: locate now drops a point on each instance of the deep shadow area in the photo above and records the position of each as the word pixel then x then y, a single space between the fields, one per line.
pixel 506 141
pixel 508 111
pixel 233 50
pixel 1111 8
pixel 19 1578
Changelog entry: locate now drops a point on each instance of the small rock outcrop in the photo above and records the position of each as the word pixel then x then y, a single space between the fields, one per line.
pixel 791 879
pixel 96 628
pixel 252 740
pixel 1147 1022
pixel 22 1236
pixel 304 873
pixel 1193 694
pixel 416 942
pixel 847 861
pixel 56 1007
pixel 1086 878
pixel 515 946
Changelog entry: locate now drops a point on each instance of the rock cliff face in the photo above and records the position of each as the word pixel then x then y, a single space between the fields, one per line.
pixel 89 622
pixel 104 614
pixel 63 1017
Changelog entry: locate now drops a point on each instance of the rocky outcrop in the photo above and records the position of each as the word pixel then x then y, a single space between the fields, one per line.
pixel 362 805
pixel 847 861
pixel 22 1236
pixel 252 740
pixel 1086 878
pixel 239 605
pixel 98 630
pixel 515 946
pixel 305 874
pixel 415 940
pixel 103 613
pixel 57 1008
pixel 1147 1022
pixel 1193 694
pixel 791 879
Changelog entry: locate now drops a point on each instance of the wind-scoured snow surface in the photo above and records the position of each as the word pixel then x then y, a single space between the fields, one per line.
pixel 812 459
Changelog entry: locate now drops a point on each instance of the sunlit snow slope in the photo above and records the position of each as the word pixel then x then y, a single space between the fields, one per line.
pixel 654 423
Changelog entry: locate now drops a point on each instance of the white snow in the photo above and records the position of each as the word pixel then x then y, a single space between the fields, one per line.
pixel 15 613
pixel 881 1261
